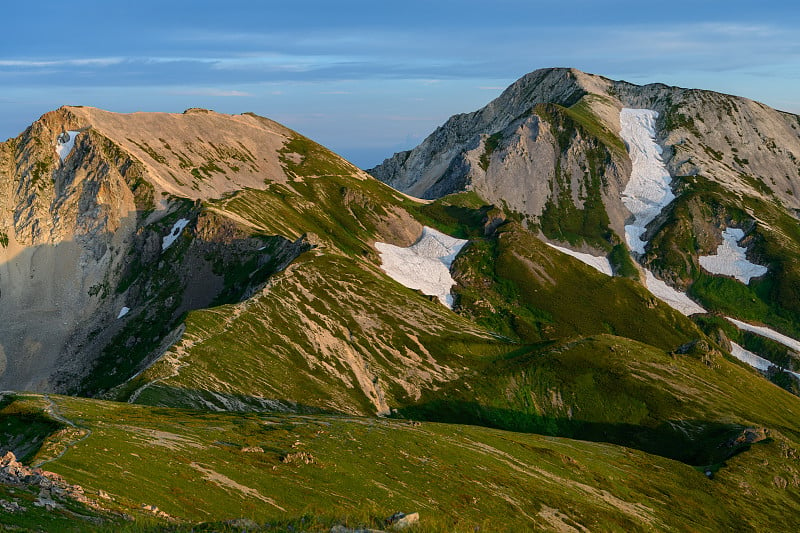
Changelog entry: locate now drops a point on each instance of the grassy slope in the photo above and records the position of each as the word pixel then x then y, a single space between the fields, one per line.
pixel 316 326
pixel 192 465
pixel 309 337
pixel 314 334
pixel 333 326
pixel 610 389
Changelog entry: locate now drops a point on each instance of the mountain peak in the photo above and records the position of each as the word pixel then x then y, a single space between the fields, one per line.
pixel 197 154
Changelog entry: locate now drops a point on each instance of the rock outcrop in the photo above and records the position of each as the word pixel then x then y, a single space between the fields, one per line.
pixel 52 489
pixel 82 227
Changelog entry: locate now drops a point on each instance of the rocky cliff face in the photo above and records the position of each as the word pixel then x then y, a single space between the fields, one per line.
pixel 82 228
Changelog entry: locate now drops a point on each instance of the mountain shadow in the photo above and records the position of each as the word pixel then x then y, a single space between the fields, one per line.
pixel 694 442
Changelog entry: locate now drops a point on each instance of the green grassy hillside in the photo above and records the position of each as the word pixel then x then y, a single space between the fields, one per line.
pixel 610 389
pixel 317 471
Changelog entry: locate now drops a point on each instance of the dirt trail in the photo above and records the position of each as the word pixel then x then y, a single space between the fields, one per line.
pixel 52 410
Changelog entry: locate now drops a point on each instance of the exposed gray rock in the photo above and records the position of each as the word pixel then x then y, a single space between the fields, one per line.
pixel 12 507
pixel 400 521
pixel 53 490
pixel 344 529
pixel 512 155
pixel 418 170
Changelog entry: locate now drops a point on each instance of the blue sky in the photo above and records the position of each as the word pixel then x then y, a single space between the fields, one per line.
pixel 370 78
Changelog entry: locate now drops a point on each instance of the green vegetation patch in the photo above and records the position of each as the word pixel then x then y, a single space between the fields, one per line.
pixel 302 157
pixel 215 467
pixel 703 206
pixel 24 426
pixel 491 144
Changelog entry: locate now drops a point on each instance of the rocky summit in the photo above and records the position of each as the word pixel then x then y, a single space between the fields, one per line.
pixel 577 308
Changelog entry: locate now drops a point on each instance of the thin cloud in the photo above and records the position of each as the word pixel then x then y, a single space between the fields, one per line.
pixel 81 62
pixel 211 92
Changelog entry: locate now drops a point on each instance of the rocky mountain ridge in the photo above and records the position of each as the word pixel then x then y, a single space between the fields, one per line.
pixel 517 150
pixel 79 226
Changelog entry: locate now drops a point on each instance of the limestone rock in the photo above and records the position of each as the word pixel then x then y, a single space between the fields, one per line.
pixel 400 521
pixel 81 221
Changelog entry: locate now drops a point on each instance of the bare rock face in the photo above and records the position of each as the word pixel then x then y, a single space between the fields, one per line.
pixel 86 197
pixel 523 154
pixel 64 225
pixel 421 169
pixel 741 144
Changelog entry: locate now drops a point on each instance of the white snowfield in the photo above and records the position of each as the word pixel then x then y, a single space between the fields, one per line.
pixel 672 297
pixel 601 264
pixel 425 265
pixel 731 259
pixel 648 190
pixel 122 312
pixel 754 360
pixel 174 233
pixel 789 342
pixel 646 195
pixel 750 358
pixel 65 148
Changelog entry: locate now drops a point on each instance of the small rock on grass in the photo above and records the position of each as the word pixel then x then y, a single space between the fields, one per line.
pixel 400 521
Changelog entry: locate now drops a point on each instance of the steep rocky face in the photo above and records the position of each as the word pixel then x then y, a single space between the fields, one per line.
pixel 743 145
pixel 421 169
pixel 512 152
pixel 87 198
pixel 64 224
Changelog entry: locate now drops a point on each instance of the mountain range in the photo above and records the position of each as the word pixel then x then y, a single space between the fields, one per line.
pixel 576 308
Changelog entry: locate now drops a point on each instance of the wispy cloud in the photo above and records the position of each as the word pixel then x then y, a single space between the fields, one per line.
pixel 79 62
pixel 210 92
pixel 281 57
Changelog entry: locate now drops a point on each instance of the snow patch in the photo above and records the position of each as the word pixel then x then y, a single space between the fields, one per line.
pixel 750 358
pixel 65 143
pixel 754 360
pixel 122 312
pixel 646 195
pixel 731 259
pixel 425 265
pixel 648 190
pixel 672 297
pixel 768 333
pixel 174 233
pixel 601 264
